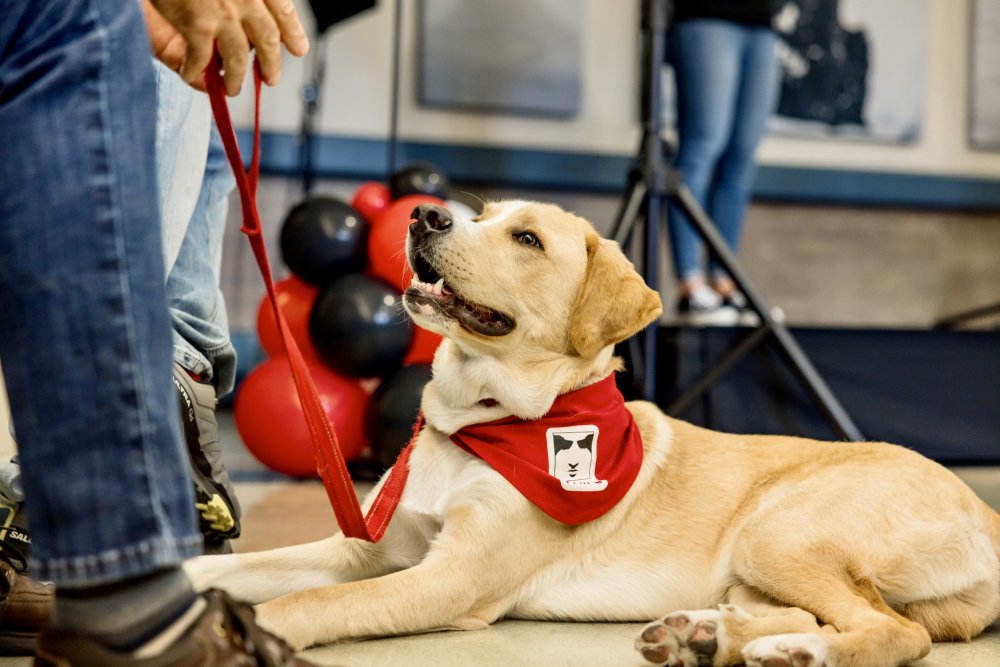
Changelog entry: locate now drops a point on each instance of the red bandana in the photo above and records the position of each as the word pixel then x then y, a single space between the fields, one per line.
pixel 575 463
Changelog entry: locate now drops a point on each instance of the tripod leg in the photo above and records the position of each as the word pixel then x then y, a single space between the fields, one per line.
pixel 953 321
pixel 654 216
pixel 722 365
pixel 789 347
pixel 629 213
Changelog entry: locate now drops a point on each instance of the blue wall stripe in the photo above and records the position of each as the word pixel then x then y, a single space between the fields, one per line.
pixel 352 158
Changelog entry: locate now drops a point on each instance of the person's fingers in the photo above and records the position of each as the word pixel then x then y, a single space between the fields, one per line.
pixel 172 53
pixel 292 33
pixel 263 34
pixel 167 44
pixel 234 49
pixel 199 83
pixel 199 49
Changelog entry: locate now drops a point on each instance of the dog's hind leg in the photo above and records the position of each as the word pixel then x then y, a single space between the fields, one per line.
pixel 717 636
pixel 868 632
pixel 264 575
pixel 959 617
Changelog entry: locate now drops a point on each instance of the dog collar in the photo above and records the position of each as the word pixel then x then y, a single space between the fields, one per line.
pixel 575 463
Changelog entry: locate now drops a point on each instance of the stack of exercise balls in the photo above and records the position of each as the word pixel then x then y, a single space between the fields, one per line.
pixel 343 306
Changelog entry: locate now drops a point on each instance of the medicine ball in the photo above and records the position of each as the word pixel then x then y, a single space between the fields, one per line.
pixel 323 238
pixel 272 425
pixel 419 178
pixel 359 328
pixel 393 410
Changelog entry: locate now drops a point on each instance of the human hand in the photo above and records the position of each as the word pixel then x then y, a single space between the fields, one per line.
pixel 184 34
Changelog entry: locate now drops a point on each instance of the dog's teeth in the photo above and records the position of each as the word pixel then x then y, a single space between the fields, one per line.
pixel 438 286
pixel 414 282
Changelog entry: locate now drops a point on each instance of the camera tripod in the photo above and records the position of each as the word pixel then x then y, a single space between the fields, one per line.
pixel 652 183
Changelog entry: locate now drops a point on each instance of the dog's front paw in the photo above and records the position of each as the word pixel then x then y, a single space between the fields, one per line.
pixel 684 638
pixel 794 650
pixel 272 616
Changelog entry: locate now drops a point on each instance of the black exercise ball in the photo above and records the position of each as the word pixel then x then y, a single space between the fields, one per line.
pixel 358 326
pixel 323 238
pixel 393 410
pixel 419 178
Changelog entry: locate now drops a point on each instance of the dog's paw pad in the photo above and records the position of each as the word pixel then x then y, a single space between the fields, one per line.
pixel 684 638
pixel 794 650
pixel 658 644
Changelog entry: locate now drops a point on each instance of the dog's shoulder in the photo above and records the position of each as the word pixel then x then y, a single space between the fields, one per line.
pixel 656 430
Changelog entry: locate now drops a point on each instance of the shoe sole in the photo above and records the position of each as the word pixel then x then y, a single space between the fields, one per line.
pixel 18 643
pixel 720 317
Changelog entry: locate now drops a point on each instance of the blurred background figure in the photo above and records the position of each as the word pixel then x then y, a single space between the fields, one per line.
pixel 724 57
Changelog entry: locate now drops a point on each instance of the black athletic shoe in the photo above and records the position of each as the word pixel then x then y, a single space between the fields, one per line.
pixel 218 509
pixel 745 315
pixel 25 604
pixel 14 540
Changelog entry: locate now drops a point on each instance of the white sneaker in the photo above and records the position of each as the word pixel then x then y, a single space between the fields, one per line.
pixel 703 307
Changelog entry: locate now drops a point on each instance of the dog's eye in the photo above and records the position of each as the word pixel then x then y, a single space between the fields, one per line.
pixel 527 238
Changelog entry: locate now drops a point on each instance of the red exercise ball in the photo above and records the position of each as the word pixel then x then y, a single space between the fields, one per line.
pixel 425 344
pixel 387 240
pixel 295 300
pixel 271 423
pixel 371 199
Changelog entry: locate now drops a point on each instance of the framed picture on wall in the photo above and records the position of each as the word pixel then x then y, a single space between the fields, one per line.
pixel 519 57
pixel 984 80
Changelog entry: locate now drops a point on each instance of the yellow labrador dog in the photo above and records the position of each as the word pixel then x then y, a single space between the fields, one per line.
pixel 787 551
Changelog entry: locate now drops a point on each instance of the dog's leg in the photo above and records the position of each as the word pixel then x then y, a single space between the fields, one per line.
pixel 869 633
pixel 717 636
pixel 469 578
pixel 959 617
pixel 265 575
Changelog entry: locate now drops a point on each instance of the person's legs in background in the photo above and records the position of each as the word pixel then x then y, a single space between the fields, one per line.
pixel 705 55
pixel 757 96
pixel 195 182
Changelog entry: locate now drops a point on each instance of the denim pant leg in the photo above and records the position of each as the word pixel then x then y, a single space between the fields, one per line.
pixel 85 335
pixel 705 58
pixel 759 87
pixel 195 181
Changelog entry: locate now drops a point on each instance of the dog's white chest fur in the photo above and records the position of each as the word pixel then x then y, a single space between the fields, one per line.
pixel 443 476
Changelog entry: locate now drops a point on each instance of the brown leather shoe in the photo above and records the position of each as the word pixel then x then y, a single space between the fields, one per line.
pixel 25 608
pixel 224 635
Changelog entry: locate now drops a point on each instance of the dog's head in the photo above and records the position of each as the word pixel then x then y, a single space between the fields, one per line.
pixel 523 274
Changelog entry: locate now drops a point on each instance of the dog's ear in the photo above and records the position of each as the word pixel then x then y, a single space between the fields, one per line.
pixel 613 302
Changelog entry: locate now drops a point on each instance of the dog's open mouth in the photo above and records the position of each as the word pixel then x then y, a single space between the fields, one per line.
pixel 429 289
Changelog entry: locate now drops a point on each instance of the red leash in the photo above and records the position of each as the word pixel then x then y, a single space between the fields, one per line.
pixel 329 460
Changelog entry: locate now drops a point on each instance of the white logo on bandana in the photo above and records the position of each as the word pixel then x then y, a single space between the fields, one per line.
pixel 573 457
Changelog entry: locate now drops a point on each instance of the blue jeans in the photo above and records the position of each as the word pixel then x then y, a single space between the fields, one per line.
pixel 85 331
pixel 727 87
pixel 194 186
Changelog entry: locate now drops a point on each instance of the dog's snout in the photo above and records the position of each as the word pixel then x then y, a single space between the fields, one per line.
pixel 430 219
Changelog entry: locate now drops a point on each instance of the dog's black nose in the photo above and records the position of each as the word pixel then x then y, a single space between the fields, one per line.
pixel 429 219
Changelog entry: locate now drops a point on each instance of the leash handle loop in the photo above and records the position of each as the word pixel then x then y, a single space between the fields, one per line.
pixel 330 463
